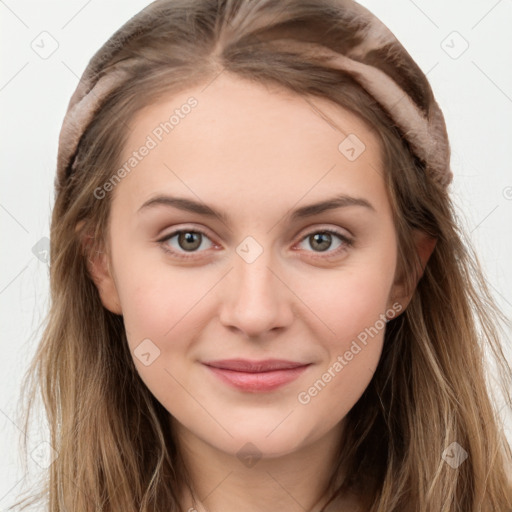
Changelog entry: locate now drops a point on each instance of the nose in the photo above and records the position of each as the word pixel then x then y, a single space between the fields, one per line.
pixel 255 298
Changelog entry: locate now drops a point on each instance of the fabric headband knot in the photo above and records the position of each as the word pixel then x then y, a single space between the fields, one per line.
pixel 425 131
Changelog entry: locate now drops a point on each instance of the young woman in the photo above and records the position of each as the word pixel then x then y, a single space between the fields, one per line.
pixel 261 296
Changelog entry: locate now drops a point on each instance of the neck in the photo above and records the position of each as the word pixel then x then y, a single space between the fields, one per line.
pixel 296 482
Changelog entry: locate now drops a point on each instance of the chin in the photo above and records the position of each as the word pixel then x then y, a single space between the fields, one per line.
pixel 250 448
pixel 258 438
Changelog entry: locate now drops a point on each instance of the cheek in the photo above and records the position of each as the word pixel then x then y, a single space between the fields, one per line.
pixel 349 300
pixel 353 305
pixel 162 313
pixel 356 314
pixel 155 295
pixel 332 392
pixel 353 348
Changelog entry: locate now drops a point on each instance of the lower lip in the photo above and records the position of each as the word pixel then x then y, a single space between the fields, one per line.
pixel 258 382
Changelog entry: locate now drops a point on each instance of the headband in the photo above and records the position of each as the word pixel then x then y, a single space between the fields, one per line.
pixel 393 79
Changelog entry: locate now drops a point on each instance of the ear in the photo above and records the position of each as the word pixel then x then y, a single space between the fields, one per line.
pixel 99 268
pixel 425 245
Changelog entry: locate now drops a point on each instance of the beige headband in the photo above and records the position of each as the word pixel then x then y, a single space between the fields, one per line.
pixel 424 131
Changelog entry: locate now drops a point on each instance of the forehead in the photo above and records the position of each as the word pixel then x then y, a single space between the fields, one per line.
pixel 238 139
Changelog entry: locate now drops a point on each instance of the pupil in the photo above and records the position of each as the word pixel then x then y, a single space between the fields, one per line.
pixel 324 242
pixel 188 238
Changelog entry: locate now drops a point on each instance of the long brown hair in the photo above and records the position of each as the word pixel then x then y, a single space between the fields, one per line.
pixel 115 448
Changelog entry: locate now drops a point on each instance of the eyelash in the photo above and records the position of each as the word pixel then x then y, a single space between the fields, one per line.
pixel 347 242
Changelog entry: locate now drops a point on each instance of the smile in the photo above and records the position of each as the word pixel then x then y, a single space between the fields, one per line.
pixel 262 376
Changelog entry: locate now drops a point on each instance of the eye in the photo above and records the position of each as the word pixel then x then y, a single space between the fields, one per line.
pixel 183 243
pixel 186 241
pixel 322 240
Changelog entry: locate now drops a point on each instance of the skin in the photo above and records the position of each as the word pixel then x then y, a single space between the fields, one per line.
pixel 255 152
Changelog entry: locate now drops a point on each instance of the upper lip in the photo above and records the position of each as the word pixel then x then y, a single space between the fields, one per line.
pixel 245 365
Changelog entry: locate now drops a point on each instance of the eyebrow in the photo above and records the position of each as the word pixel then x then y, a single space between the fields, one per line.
pixel 189 205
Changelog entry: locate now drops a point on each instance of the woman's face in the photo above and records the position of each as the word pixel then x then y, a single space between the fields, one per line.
pixel 262 280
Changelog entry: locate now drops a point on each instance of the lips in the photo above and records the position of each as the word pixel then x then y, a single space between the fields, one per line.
pixel 244 365
pixel 256 376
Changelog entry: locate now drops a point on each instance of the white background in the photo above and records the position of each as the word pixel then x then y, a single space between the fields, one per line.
pixel 474 91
